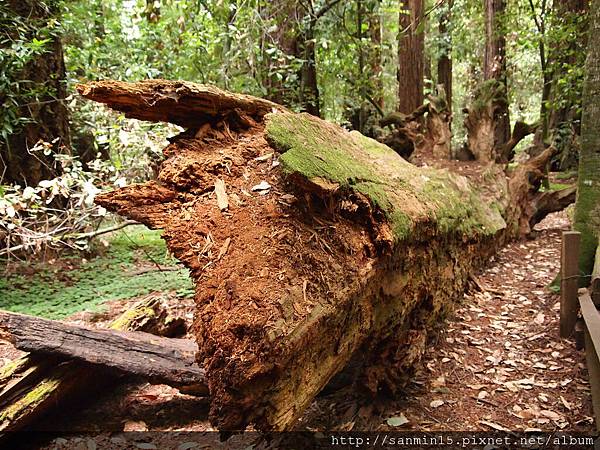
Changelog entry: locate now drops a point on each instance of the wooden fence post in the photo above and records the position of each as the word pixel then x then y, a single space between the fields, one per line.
pixel 569 282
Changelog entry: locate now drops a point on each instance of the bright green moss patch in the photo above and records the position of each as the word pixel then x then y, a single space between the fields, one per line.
pixel 69 285
pixel 405 193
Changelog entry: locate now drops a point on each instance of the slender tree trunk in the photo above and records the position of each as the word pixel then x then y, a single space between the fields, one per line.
pixel 281 18
pixel 309 89
pixel 444 63
pixel 46 112
pixel 410 56
pixel 494 66
pixel 587 209
pixel 375 55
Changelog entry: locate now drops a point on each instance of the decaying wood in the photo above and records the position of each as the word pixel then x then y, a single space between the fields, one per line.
pixel 434 136
pixel 520 131
pixel 34 384
pixel 158 359
pixel 480 121
pixel 221 193
pixel 186 104
pixel 548 202
pixel 348 258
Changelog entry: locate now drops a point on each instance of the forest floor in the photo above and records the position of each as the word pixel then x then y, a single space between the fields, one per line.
pixel 498 365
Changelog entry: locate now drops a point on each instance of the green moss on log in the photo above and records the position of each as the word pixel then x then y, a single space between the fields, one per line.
pixel 406 194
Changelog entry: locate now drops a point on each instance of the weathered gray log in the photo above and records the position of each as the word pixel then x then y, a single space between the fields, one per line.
pixel 548 202
pixel 160 360
pixel 35 384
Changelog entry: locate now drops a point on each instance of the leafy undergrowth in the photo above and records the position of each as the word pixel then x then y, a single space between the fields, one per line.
pixel 135 263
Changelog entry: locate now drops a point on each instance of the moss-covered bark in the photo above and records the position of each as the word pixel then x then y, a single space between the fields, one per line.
pixel 587 209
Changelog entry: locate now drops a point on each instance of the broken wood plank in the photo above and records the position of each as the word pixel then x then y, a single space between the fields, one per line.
pixel 160 360
pixel 34 384
pixel 221 193
pixel 569 279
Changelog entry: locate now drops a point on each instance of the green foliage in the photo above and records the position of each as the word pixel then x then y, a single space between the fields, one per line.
pixel 63 287
pixel 22 39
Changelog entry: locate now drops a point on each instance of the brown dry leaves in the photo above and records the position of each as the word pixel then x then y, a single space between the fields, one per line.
pixel 501 364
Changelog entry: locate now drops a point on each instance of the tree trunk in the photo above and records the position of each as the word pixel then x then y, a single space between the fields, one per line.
pixel 444 63
pixel 411 45
pixel 332 249
pixel 41 101
pixel 283 18
pixel 309 89
pixel 374 20
pixel 563 88
pixel 587 208
pixel 494 66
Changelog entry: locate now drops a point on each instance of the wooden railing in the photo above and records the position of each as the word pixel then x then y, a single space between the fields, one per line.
pixel 574 300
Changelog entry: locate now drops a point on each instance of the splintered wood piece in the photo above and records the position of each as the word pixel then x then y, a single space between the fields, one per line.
pixel 224 248
pixel 161 360
pixel 222 199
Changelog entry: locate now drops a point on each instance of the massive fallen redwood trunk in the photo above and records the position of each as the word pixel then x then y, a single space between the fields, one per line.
pixel 310 246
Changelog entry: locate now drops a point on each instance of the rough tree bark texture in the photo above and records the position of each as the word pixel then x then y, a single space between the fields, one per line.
pixel 331 248
pixel 587 208
pixel 563 115
pixel 486 119
pixel 158 359
pixel 410 56
pixel 444 63
pixel 34 384
pixel 49 115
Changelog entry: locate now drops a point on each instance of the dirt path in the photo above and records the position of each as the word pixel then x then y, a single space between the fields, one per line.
pixel 499 364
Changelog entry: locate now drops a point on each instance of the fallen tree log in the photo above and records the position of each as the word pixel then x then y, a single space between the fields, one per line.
pixel 34 384
pixel 159 360
pixel 332 249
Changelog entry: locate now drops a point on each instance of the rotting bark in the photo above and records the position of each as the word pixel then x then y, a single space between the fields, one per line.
pixel 159 360
pixel 333 249
pixel 32 385
pixel 431 135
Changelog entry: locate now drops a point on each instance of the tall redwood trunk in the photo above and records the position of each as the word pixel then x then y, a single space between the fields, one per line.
pixel 46 112
pixel 411 46
pixel 444 63
pixel 563 112
pixel 374 20
pixel 587 208
pixel 494 66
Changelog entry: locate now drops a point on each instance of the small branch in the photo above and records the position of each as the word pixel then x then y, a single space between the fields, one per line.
pixel 93 234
